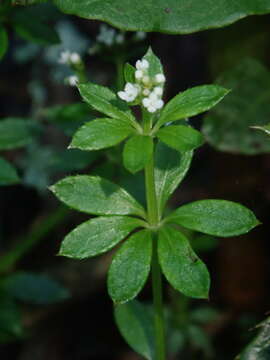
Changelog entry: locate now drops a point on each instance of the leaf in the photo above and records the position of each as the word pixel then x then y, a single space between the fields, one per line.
pixel 100 134
pixel 180 137
pixel 8 174
pixel 135 323
pixel 130 267
pixel 173 17
pixel 105 101
pixel 227 127
pixel 97 236
pixel 3 41
pixel 10 319
pixel 192 102
pixel 137 152
pixel 14 133
pixel 170 169
pixel 215 217
pixel 180 265
pixel 94 195
pixel 129 73
pixel 265 128
pixel 155 66
pixel 35 288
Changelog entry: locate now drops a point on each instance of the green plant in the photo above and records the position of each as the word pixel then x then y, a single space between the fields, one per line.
pixel 164 150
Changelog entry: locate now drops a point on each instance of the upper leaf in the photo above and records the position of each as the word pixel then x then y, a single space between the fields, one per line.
pixel 215 217
pixel 8 174
pixel 155 66
pixel 137 152
pixel 180 265
pixel 105 101
pixel 100 134
pixel 130 267
pixel 97 236
pixel 129 73
pixel 170 169
pixel 3 41
pixel 94 195
pixel 14 133
pixel 192 102
pixel 174 16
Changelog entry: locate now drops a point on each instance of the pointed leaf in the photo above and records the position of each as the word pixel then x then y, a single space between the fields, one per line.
pixel 180 265
pixel 155 66
pixel 215 217
pixel 97 236
pixel 130 267
pixel 129 73
pixel 180 137
pixel 170 169
pixel 192 102
pixel 137 152
pixel 94 195
pixel 265 128
pixel 8 174
pixel 135 322
pixel 14 133
pixel 100 134
pixel 3 41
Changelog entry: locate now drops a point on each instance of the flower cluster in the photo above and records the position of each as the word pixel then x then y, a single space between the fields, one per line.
pixel 149 89
pixel 72 80
pixel 69 58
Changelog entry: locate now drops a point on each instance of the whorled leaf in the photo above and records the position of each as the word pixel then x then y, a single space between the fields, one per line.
pixel 138 151
pixel 14 133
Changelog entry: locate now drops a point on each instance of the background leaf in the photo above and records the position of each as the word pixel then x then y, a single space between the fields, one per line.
pixel 137 152
pixel 8 174
pixel 265 128
pixel 14 133
pixel 3 41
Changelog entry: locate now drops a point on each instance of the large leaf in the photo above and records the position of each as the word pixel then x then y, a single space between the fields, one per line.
pixel 215 217
pixel 180 265
pixel 100 134
pixel 174 16
pixel 135 322
pixel 130 267
pixel 3 41
pixel 228 126
pixel 170 169
pixel 14 133
pixel 138 151
pixel 8 174
pixel 94 195
pixel 97 236
pixel 192 102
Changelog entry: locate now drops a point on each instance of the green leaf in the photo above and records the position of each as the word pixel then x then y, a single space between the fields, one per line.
pixel 130 267
pixel 192 102
pixel 14 133
pixel 3 41
pixel 8 174
pixel 100 134
pixel 180 265
pixel 170 169
pixel 227 127
pixel 135 322
pixel 35 288
pixel 97 236
pixel 94 195
pixel 129 73
pixel 10 319
pixel 174 16
pixel 105 101
pixel 155 66
pixel 137 152
pixel 180 137
pixel 265 128
pixel 215 217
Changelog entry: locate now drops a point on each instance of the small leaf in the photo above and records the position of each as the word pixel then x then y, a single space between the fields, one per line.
pixel 94 195
pixel 100 134
pixel 135 322
pixel 170 169
pixel 3 41
pixel 105 101
pixel 130 267
pixel 129 73
pixel 180 137
pixel 137 152
pixel 265 128
pixel 97 236
pixel 14 133
pixel 8 174
pixel 155 66
pixel 215 217
pixel 180 265
pixel 192 102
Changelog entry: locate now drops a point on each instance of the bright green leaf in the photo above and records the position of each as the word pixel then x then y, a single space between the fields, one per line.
pixel 130 267
pixel 3 41
pixel 137 152
pixel 94 195
pixel 136 324
pixel 180 265
pixel 192 102
pixel 129 73
pixel 14 133
pixel 174 16
pixel 180 137
pixel 265 128
pixel 155 66
pixel 97 236
pixel 170 169
pixel 215 217
pixel 100 134
pixel 8 174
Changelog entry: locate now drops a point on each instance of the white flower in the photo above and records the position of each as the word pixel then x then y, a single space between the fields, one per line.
pixel 160 78
pixel 64 57
pixel 142 64
pixel 140 35
pixel 152 103
pixel 130 92
pixel 74 58
pixel 146 92
pixel 138 74
pixel 119 39
pixel 73 80
pixel 146 79
pixel 106 35
pixel 158 90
